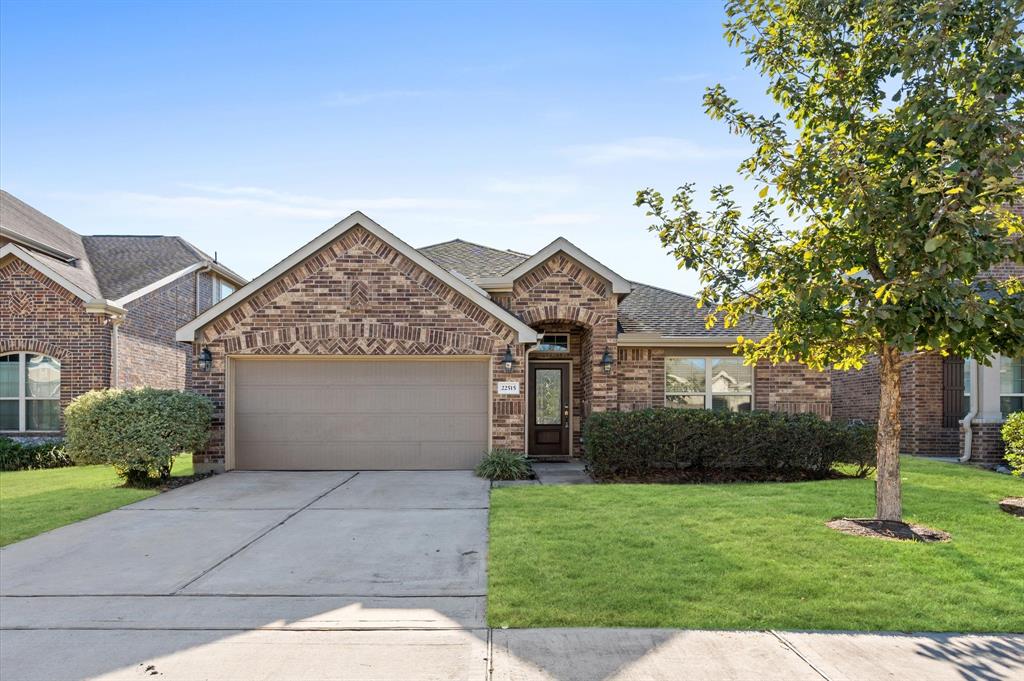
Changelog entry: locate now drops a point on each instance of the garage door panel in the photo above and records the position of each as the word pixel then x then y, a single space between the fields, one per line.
pixel 358 399
pixel 360 414
pixel 359 427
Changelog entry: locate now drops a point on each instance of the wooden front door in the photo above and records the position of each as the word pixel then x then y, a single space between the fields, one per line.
pixel 549 400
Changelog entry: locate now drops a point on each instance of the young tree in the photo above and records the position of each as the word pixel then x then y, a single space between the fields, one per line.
pixel 883 190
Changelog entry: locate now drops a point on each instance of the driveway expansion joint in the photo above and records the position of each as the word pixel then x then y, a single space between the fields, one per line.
pixel 259 536
pixel 796 652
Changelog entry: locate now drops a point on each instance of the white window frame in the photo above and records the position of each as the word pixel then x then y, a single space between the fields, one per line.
pixel 22 399
pixel 1004 358
pixel 967 388
pixel 556 335
pixel 217 281
pixel 708 393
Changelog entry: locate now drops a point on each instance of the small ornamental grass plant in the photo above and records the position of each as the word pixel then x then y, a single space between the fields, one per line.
pixel 504 464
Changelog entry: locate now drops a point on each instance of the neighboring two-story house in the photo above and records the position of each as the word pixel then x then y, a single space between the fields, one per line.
pixel 84 312
pixel 359 351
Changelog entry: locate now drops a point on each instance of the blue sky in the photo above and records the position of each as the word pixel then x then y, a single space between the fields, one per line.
pixel 249 128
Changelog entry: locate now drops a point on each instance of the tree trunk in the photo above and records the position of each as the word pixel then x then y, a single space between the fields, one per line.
pixel 888 498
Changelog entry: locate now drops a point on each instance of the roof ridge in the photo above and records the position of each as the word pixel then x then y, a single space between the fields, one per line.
pixel 473 243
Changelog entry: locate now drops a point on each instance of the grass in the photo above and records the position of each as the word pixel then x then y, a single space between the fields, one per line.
pixel 32 502
pixel 757 556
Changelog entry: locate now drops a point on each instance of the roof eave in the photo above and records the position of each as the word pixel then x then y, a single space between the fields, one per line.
pixel 620 285
pixel 187 333
pixel 654 340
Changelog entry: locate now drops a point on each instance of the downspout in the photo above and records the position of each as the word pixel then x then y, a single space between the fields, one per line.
pixel 526 399
pixel 971 413
pixel 115 370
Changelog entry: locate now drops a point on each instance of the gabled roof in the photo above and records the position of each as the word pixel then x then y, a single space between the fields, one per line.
pixel 647 314
pixel 99 268
pixel 562 245
pixel 653 310
pixel 472 260
pixel 526 334
pixel 123 264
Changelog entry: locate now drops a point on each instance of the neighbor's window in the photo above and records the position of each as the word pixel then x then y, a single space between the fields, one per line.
pixel 553 342
pixel 721 383
pixel 221 289
pixel 29 392
pixel 1011 385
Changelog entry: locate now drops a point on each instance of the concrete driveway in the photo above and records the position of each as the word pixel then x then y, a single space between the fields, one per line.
pixel 259 575
pixel 366 576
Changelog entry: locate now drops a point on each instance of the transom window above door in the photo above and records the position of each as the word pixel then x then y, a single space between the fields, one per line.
pixel 29 392
pixel 554 342
pixel 721 383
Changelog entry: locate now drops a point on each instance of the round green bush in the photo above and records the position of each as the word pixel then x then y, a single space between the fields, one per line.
pixel 1013 436
pixel 138 432
pixel 504 464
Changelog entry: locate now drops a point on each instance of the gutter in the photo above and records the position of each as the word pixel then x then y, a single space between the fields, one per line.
pixel 967 420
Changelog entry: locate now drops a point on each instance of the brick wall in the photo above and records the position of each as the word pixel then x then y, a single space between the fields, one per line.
pixel 641 377
pixel 855 395
pixel 148 355
pixel 561 290
pixel 358 296
pixel 987 446
pixel 792 388
pixel 39 316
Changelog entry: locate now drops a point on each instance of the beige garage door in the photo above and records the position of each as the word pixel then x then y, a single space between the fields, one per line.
pixel 359 414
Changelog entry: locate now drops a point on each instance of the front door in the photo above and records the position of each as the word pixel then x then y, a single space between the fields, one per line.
pixel 550 433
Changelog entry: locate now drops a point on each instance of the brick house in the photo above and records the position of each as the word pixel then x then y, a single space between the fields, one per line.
pixel 84 312
pixel 360 351
pixel 939 393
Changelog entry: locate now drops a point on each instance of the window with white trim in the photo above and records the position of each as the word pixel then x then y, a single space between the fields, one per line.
pixel 29 392
pixel 967 388
pixel 1011 385
pixel 720 383
pixel 221 289
pixel 553 342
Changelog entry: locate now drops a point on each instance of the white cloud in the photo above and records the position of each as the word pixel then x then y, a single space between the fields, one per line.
pixel 534 185
pixel 240 202
pixel 646 149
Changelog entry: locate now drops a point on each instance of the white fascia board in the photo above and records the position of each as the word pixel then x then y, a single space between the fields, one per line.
pixel 653 340
pixel 225 273
pixel 187 333
pixel 38 245
pixel 159 283
pixel 561 244
pixel 92 303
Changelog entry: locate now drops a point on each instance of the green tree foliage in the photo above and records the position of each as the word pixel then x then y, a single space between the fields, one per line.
pixel 884 190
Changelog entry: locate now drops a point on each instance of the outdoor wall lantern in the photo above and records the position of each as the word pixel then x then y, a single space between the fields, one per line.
pixel 607 360
pixel 205 360
pixel 508 360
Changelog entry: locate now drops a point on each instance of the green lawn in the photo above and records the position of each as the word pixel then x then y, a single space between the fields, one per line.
pixel 756 556
pixel 36 501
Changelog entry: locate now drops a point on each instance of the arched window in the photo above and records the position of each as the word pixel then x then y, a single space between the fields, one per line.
pixel 29 392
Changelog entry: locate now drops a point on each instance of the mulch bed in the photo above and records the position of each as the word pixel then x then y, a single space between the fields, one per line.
pixel 1013 506
pixel 719 475
pixel 887 529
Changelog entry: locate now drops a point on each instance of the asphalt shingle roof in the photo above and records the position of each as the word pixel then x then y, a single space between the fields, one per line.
pixel 648 309
pixel 110 266
pixel 123 264
pixel 21 221
pixel 472 260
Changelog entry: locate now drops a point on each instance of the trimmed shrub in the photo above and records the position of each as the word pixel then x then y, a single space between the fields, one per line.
pixel 716 445
pixel 1013 436
pixel 504 464
pixel 138 432
pixel 24 456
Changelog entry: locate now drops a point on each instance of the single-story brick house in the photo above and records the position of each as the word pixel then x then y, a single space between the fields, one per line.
pixel 360 351
pixel 940 396
pixel 84 312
